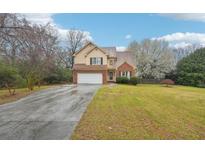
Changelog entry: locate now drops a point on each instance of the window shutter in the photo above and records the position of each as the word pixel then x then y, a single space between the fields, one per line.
pixel 90 61
pixel 101 61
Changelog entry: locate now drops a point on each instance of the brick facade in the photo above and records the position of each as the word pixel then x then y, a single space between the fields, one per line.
pixel 125 67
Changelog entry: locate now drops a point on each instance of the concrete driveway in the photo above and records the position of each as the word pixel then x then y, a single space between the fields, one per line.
pixel 47 114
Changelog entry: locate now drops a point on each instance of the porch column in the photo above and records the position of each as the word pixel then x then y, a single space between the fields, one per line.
pixel 128 74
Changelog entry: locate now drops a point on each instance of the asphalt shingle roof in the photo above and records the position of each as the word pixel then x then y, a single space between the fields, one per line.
pixel 125 56
pixel 111 51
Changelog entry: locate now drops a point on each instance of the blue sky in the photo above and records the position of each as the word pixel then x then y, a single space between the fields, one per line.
pixel 120 29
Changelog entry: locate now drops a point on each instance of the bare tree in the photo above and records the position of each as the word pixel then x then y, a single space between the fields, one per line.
pixel 32 49
pixel 9 21
pixel 63 58
pixel 10 26
pixel 154 58
pixel 38 50
pixel 76 39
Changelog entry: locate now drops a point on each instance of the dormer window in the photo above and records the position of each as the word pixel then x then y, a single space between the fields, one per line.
pixel 112 62
pixel 96 61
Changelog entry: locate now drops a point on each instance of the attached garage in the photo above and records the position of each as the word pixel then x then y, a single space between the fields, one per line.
pixel 89 74
pixel 89 78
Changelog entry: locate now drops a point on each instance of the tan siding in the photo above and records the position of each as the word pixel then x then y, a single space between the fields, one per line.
pixel 96 53
pixel 114 63
pixel 80 57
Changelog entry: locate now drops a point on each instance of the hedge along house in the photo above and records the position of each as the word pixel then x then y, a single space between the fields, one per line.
pixel 100 65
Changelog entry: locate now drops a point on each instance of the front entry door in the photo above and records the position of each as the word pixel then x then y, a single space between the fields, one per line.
pixel 110 75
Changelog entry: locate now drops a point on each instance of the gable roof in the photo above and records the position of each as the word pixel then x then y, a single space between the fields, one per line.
pixel 111 51
pixel 82 48
pixel 125 56
pixel 94 49
pixel 122 57
pixel 95 46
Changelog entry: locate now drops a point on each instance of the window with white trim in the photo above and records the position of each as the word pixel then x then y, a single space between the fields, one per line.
pixel 96 61
pixel 111 62
pixel 125 74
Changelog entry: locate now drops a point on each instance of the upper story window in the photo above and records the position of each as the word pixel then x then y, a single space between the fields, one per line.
pixel 111 62
pixel 96 61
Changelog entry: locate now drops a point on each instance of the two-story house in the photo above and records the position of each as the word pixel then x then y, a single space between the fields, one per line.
pixel 100 65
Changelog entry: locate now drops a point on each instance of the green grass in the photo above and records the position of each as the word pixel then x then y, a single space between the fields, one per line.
pixel 21 92
pixel 144 112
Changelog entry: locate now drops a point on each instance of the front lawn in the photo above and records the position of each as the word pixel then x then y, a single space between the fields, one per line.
pixel 144 112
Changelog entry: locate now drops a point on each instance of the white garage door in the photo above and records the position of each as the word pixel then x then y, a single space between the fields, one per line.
pixel 90 78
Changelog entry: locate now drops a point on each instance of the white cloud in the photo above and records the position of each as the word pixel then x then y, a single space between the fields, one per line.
pixel 181 45
pixel 186 16
pixel 63 34
pixel 39 18
pixel 44 18
pixel 183 39
pixel 128 36
pixel 121 48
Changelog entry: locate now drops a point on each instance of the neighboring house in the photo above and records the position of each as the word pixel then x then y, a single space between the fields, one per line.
pixel 99 65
